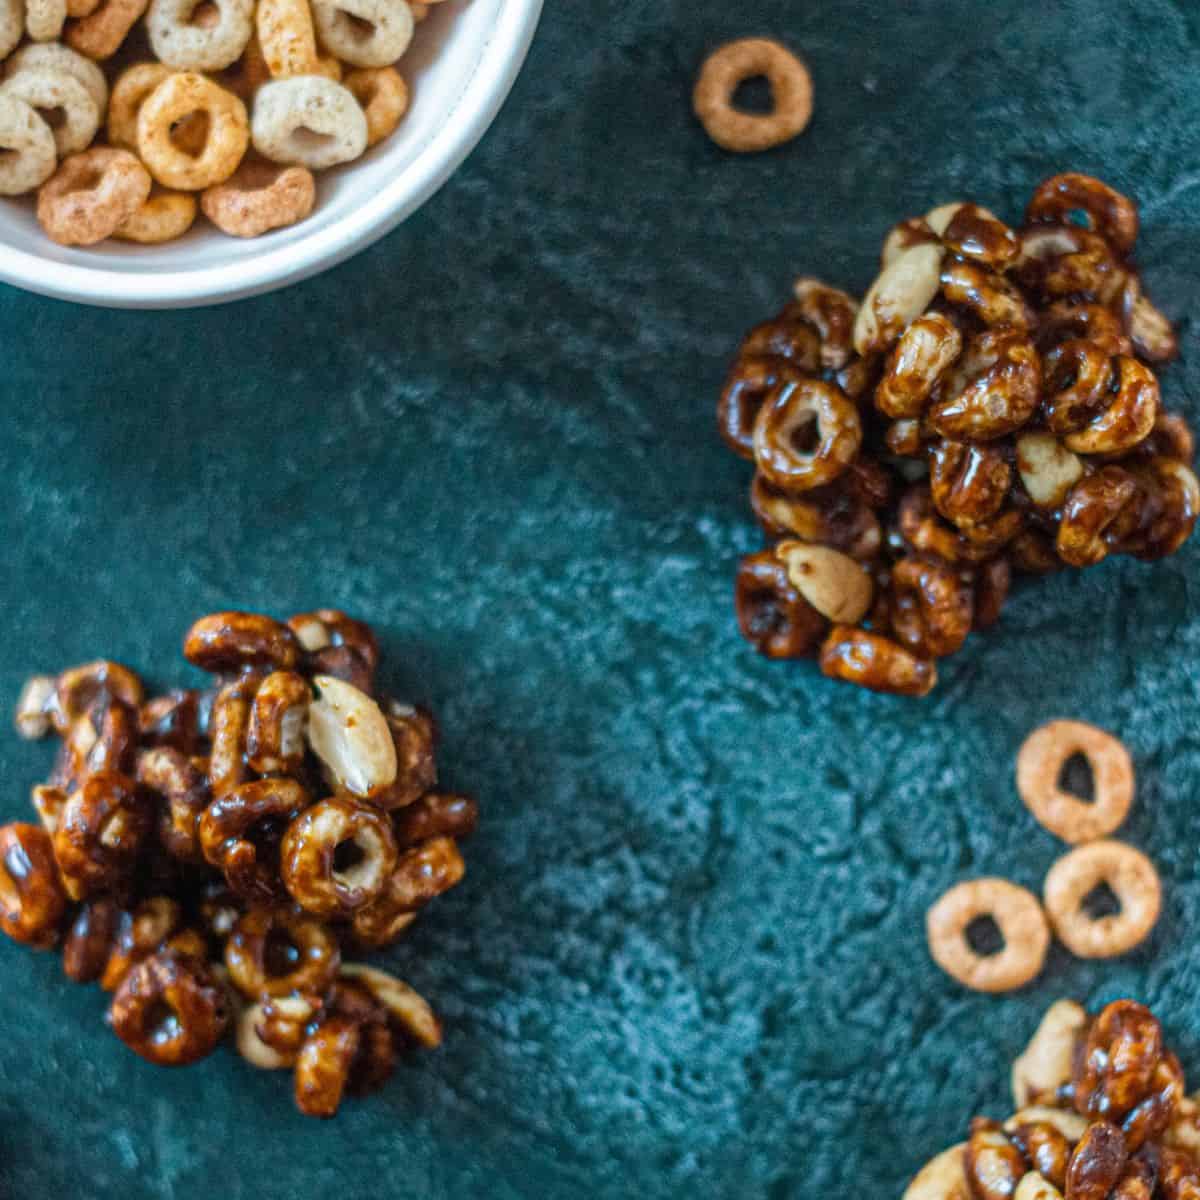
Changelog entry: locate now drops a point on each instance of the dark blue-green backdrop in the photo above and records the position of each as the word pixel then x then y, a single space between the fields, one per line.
pixel 688 957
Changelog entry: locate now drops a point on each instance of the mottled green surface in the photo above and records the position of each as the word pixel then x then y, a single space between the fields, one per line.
pixel 688 956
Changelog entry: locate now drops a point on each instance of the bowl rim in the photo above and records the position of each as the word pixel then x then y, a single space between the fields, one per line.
pixel 496 71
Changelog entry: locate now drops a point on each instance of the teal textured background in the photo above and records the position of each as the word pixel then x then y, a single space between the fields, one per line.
pixel 689 952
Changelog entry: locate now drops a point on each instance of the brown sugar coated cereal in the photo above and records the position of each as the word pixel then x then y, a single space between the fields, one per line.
pixel 1039 766
pixel 731 65
pixel 212 852
pixel 1003 415
pixel 259 197
pixel 1021 923
pixel 1132 879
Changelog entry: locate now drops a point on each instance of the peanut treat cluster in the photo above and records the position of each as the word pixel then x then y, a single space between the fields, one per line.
pixel 126 117
pixel 210 855
pixel 1102 1114
pixel 991 407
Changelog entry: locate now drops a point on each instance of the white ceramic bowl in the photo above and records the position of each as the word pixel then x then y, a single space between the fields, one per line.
pixel 461 65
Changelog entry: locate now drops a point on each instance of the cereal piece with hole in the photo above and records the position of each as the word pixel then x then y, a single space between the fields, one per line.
pixel 308 121
pixel 163 218
pixel 205 38
pixel 364 33
pixel 1016 915
pixel 61 101
pixel 1077 881
pixel 733 129
pixel 56 57
pixel 90 195
pixel 383 96
pixel 29 155
pixel 259 197
pixel 1040 766
pixel 102 32
pixel 227 135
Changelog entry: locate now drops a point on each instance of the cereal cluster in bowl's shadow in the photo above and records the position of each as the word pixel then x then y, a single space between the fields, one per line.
pixel 209 855
pixel 991 406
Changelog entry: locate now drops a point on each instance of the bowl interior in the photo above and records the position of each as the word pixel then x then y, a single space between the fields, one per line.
pixel 439 67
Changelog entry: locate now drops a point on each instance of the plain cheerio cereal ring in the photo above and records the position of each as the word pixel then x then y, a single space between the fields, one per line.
pixel 187 45
pixel 180 96
pixel 1132 879
pixel 364 33
pixel 1017 915
pixel 259 197
pixel 286 36
pixel 129 89
pixel 731 65
pixel 309 121
pixel 46 90
pixel 58 57
pixel 1039 767
pixel 12 24
pixel 100 34
pixel 383 96
pixel 30 157
pixel 90 194
pixel 163 218
pixel 44 19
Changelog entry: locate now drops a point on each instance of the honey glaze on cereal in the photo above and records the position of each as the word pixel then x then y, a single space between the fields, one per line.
pixel 992 406
pixel 210 856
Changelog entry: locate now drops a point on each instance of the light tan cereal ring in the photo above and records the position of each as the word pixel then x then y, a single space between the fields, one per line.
pixel 58 57
pixel 1133 881
pixel 190 45
pixel 733 64
pixel 1040 763
pixel 100 34
pixel 50 91
pixel 162 218
pixel 286 35
pixel 90 195
pixel 364 33
pixel 12 24
pixel 129 89
pixel 29 156
pixel 178 97
pixel 383 97
pixel 1018 916
pixel 309 121
pixel 44 19
pixel 258 197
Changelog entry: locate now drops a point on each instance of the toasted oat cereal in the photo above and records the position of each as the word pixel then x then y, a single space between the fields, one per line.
pixel 30 145
pixel 91 194
pixel 364 33
pixel 48 90
pixel 57 57
pixel 309 121
pixel 259 197
pixel 383 96
pixel 188 45
pixel 164 217
pixel 180 96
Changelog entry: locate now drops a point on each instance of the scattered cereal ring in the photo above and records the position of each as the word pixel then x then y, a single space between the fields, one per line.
pixel 29 144
pixel 364 33
pixel 1040 763
pixel 47 90
pixel 90 195
pixel 259 197
pixel 309 121
pixel 733 64
pixel 162 218
pixel 12 24
pixel 99 35
pixel 383 96
pixel 1133 881
pixel 44 19
pixel 58 57
pixel 189 45
pixel 1017 915
pixel 286 35
pixel 180 96
pixel 129 89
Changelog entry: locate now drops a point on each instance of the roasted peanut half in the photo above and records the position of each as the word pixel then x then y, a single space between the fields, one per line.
pixel 900 294
pixel 832 582
pixel 34 707
pixel 348 732
pixel 942 1178
pixel 1045 1063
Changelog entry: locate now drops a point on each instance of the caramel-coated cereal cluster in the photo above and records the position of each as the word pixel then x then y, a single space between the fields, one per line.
pixel 992 406
pixel 210 855
pixel 127 117
pixel 1102 1114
